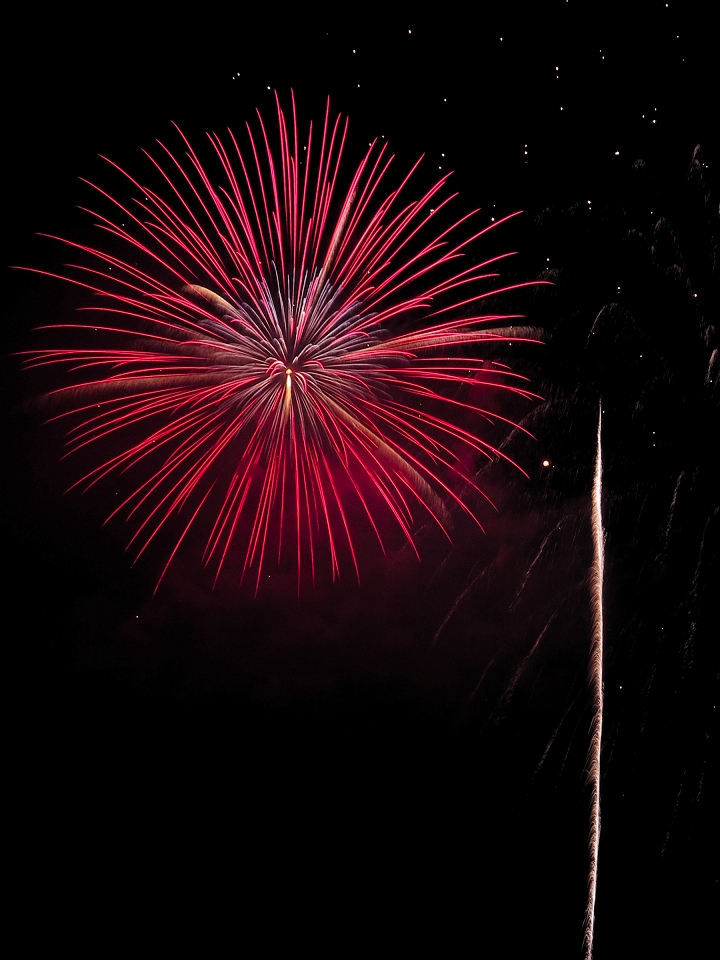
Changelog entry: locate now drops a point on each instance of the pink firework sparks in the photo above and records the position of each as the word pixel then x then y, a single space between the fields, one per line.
pixel 270 349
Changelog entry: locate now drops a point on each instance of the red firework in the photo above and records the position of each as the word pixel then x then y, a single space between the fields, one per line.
pixel 286 347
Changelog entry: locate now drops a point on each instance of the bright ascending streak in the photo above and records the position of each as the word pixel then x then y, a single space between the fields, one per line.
pixel 283 348
pixel 596 680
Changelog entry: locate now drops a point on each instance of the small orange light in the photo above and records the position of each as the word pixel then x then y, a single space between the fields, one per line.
pixel 546 463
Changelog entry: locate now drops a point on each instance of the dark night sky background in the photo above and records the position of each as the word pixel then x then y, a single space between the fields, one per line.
pixel 401 759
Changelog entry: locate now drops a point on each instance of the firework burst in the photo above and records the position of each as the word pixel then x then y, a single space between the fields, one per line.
pixel 273 347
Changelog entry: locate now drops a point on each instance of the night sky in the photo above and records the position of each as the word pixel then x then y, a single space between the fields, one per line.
pixel 398 762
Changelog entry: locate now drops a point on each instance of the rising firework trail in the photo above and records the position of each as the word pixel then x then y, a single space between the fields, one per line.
pixel 279 350
pixel 596 681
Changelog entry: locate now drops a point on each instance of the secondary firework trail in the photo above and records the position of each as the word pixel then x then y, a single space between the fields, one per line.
pixel 596 680
pixel 275 354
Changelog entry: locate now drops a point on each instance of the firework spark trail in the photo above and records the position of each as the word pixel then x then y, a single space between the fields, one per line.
pixel 554 734
pixel 537 556
pixel 664 538
pixel 687 649
pixel 497 713
pixel 470 582
pixel 596 680
pixel 285 345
